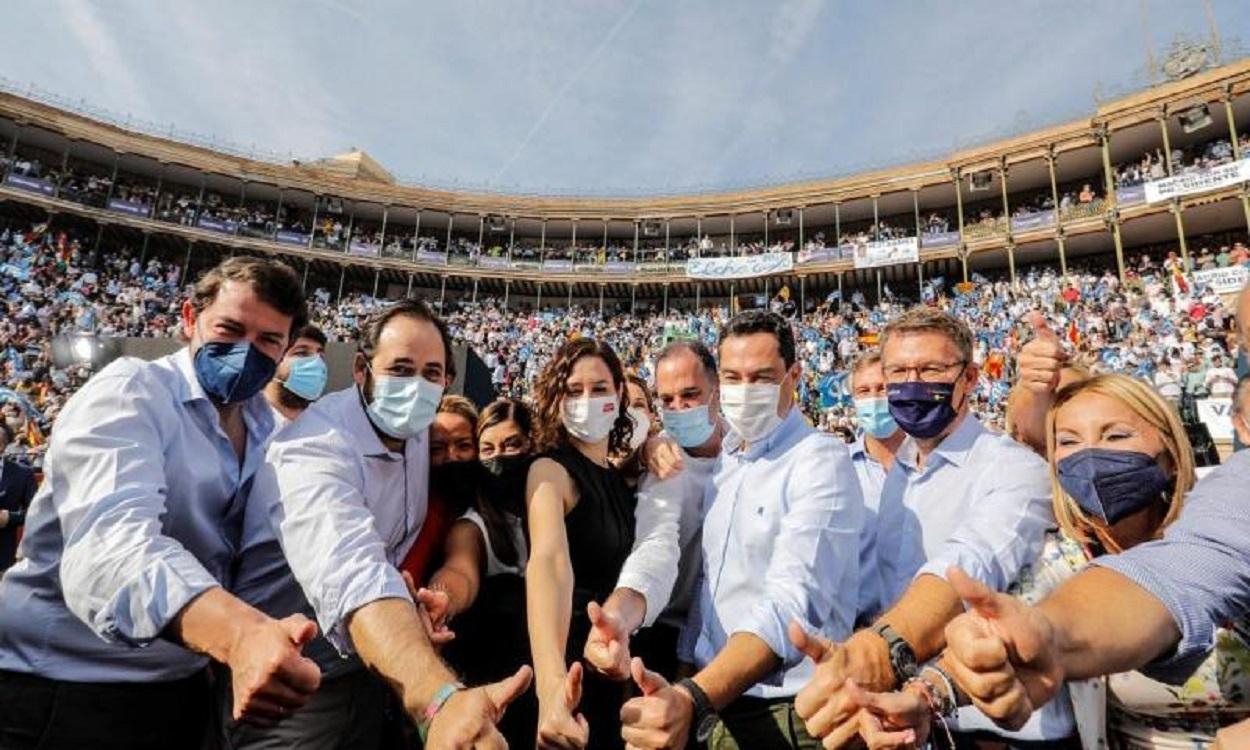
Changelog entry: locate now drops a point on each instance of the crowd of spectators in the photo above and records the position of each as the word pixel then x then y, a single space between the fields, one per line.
pixel 1153 164
pixel 1159 325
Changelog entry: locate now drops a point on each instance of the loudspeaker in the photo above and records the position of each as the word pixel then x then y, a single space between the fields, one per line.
pixel 651 228
pixel 496 223
pixel 1196 117
pixel 783 216
pixel 980 181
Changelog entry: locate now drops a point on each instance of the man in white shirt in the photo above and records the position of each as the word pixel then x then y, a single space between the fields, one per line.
pixel 781 522
pixel 338 504
pixel 656 586
pixel 957 494
pixel 120 598
pixel 1220 380
pixel 300 377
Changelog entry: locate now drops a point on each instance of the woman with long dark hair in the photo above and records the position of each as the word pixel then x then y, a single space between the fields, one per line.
pixel 581 522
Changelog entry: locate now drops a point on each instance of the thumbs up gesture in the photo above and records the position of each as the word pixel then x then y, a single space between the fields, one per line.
pixel 468 718
pixel 559 726
pixel 661 718
pixel 1001 652
pixel 1041 360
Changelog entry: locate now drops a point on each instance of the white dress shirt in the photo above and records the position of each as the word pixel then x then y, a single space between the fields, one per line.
pixel 780 543
pixel 871 475
pixel 664 565
pixel 140 511
pixel 981 502
pixel 333 513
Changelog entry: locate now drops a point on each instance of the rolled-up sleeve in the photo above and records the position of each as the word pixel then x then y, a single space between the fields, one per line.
pixel 1007 529
pixel 310 485
pixel 119 573
pixel 651 568
pixel 813 572
pixel 1200 570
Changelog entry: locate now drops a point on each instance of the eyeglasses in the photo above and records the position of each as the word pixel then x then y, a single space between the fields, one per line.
pixel 933 372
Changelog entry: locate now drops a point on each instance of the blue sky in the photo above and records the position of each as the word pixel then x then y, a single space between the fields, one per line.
pixel 599 96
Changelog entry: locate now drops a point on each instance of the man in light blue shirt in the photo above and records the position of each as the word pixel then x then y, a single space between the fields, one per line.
pixel 107 621
pixel 957 495
pixel 337 505
pixel 872 454
pixel 780 538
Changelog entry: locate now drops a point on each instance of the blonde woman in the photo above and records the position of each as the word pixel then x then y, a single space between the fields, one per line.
pixel 1121 465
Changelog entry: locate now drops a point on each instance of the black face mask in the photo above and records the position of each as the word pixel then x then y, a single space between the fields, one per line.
pixel 456 479
pixel 502 481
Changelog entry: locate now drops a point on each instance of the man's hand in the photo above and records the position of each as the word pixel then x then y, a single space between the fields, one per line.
pixel 270 677
pixel 827 709
pixel 1041 360
pixel 1001 652
pixel 558 727
pixel 891 720
pixel 661 718
pixel 468 718
pixel 662 456
pixel 607 645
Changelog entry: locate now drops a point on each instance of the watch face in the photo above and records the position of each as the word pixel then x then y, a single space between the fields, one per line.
pixel 704 730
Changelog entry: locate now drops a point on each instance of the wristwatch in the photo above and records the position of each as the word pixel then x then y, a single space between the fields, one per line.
pixel 902 658
pixel 705 717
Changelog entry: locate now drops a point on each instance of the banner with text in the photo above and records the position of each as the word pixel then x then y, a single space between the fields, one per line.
pixel 1223 280
pixel 743 267
pixel 489 261
pixel 432 256
pixel 134 208
pixel 887 253
pixel 939 239
pixel 33 184
pixel 1198 181
pixel 1217 415
pixel 362 248
pixel 287 237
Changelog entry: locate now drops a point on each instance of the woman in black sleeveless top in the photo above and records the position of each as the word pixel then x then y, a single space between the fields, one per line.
pixel 581 523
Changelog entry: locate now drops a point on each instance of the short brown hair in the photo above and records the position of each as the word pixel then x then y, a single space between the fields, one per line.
pixel 861 362
pixel 371 331
pixel 273 281
pixel 931 320
pixel 312 333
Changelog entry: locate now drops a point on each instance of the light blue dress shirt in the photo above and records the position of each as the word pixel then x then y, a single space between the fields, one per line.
pixel 982 503
pixel 780 543
pixel 1200 569
pixel 871 475
pixel 140 511
pixel 333 513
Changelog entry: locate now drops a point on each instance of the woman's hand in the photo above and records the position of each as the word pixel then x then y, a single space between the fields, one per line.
pixel 560 727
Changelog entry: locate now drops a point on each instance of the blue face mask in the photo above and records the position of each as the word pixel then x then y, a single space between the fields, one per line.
pixel 1112 485
pixel 307 378
pixel 922 409
pixel 232 371
pixel 689 427
pixel 873 415
pixel 403 407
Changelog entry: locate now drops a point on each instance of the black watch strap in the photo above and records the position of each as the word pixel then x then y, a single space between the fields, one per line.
pixel 704 711
pixel 902 657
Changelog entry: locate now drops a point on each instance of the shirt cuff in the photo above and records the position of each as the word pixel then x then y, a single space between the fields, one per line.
pixel 162 592
pixel 648 588
pixel 332 616
pixel 769 624
pixel 970 563
pixel 1197 629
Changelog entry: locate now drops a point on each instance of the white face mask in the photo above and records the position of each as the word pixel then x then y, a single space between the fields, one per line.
pixel 589 419
pixel 642 427
pixel 751 410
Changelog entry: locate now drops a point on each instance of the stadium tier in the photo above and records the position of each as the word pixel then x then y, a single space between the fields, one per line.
pixel 1157 168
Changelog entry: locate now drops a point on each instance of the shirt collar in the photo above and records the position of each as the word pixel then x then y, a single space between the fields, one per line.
pixel 789 423
pixel 257 414
pixel 953 449
pixel 187 385
pixel 858 447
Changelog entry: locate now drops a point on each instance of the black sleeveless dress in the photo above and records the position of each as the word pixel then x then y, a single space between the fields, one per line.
pixel 600 531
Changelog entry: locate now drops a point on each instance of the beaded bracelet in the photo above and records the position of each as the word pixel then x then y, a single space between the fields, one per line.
pixel 441 696
pixel 935 708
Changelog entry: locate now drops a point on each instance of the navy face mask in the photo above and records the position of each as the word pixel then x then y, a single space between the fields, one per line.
pixel 1112 485
pixel 232 371
pixel 922 409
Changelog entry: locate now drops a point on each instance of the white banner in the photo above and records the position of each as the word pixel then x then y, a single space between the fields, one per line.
pixel 1223 280
pixel 887 253
pixel 1200 181
pixel 741 267
pixel 1217 415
